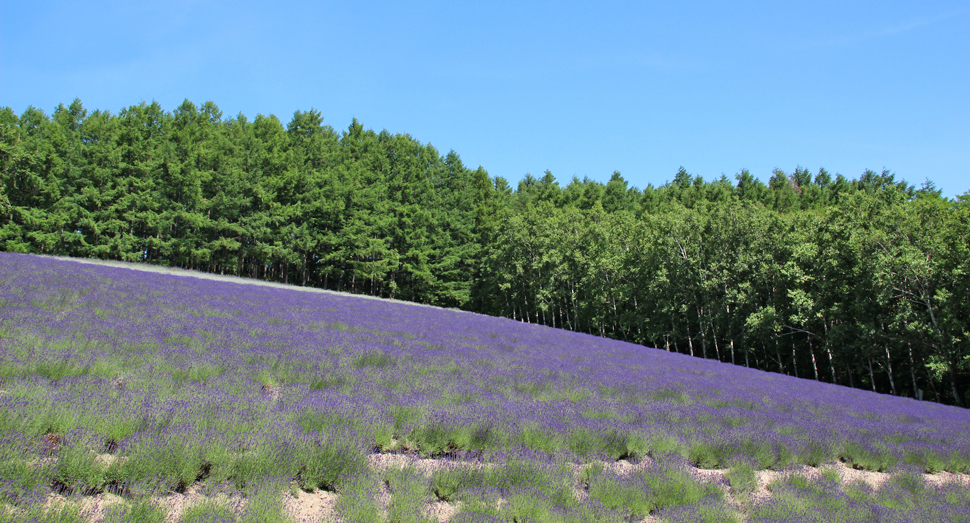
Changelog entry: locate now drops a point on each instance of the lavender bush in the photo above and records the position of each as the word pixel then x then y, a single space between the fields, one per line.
pixel 139 383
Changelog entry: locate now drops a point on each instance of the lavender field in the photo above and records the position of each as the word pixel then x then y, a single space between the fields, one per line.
pixel 138 396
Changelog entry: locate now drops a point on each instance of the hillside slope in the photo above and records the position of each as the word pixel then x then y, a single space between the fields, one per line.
pixel 138 383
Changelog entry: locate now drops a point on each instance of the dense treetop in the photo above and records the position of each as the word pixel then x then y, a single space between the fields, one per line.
pixel 862 282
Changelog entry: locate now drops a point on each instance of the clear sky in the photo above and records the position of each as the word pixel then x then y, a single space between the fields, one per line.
pixel 578 88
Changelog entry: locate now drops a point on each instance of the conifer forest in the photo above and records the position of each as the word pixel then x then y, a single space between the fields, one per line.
pixel 863 282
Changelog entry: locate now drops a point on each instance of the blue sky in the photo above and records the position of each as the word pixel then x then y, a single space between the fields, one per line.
pixel 578 88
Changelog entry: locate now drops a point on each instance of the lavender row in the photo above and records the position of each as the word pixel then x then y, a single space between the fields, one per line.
pixel 128 357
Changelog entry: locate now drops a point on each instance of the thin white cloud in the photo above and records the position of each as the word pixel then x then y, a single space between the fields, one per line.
pixel 880 32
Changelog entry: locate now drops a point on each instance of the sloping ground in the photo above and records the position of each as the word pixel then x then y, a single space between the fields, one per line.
pixel 300 506
pixel 175 271
pixel 150 386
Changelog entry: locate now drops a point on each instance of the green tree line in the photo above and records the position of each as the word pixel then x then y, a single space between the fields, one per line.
pixel 861 282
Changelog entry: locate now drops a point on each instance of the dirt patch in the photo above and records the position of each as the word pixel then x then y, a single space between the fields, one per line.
pixel 767 477
pixel 175 504
pixel 320 506
pixel 846 475
pixel 710 475
pixel 941 478
pixel 441 511
pixel 313 506
pixel 107 459
pixel 271 391
pixel 174 271
pixel 50 443
pixel 426 466
pixel 92 508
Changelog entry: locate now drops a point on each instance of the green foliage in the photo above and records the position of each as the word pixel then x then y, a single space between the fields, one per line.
pixel 868 457
pixel 714 453
pixel 461 483
pixel 249 469
pixel 854 281
pixel 329 464
pixel 537 438
pixel 60 513
pixel 659 487
pixel 143 510
pixel 77 467
pixel 22 472
pixel 375 359
pixel 905 497
pixel 208 511
pixel 583 442
pixel 330 380
pixel 742 477
pixel 435 437
pixel 358 500
pixel 410 491
pixel 171 463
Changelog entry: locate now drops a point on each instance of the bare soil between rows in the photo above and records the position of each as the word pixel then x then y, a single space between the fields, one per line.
pixel 319 506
